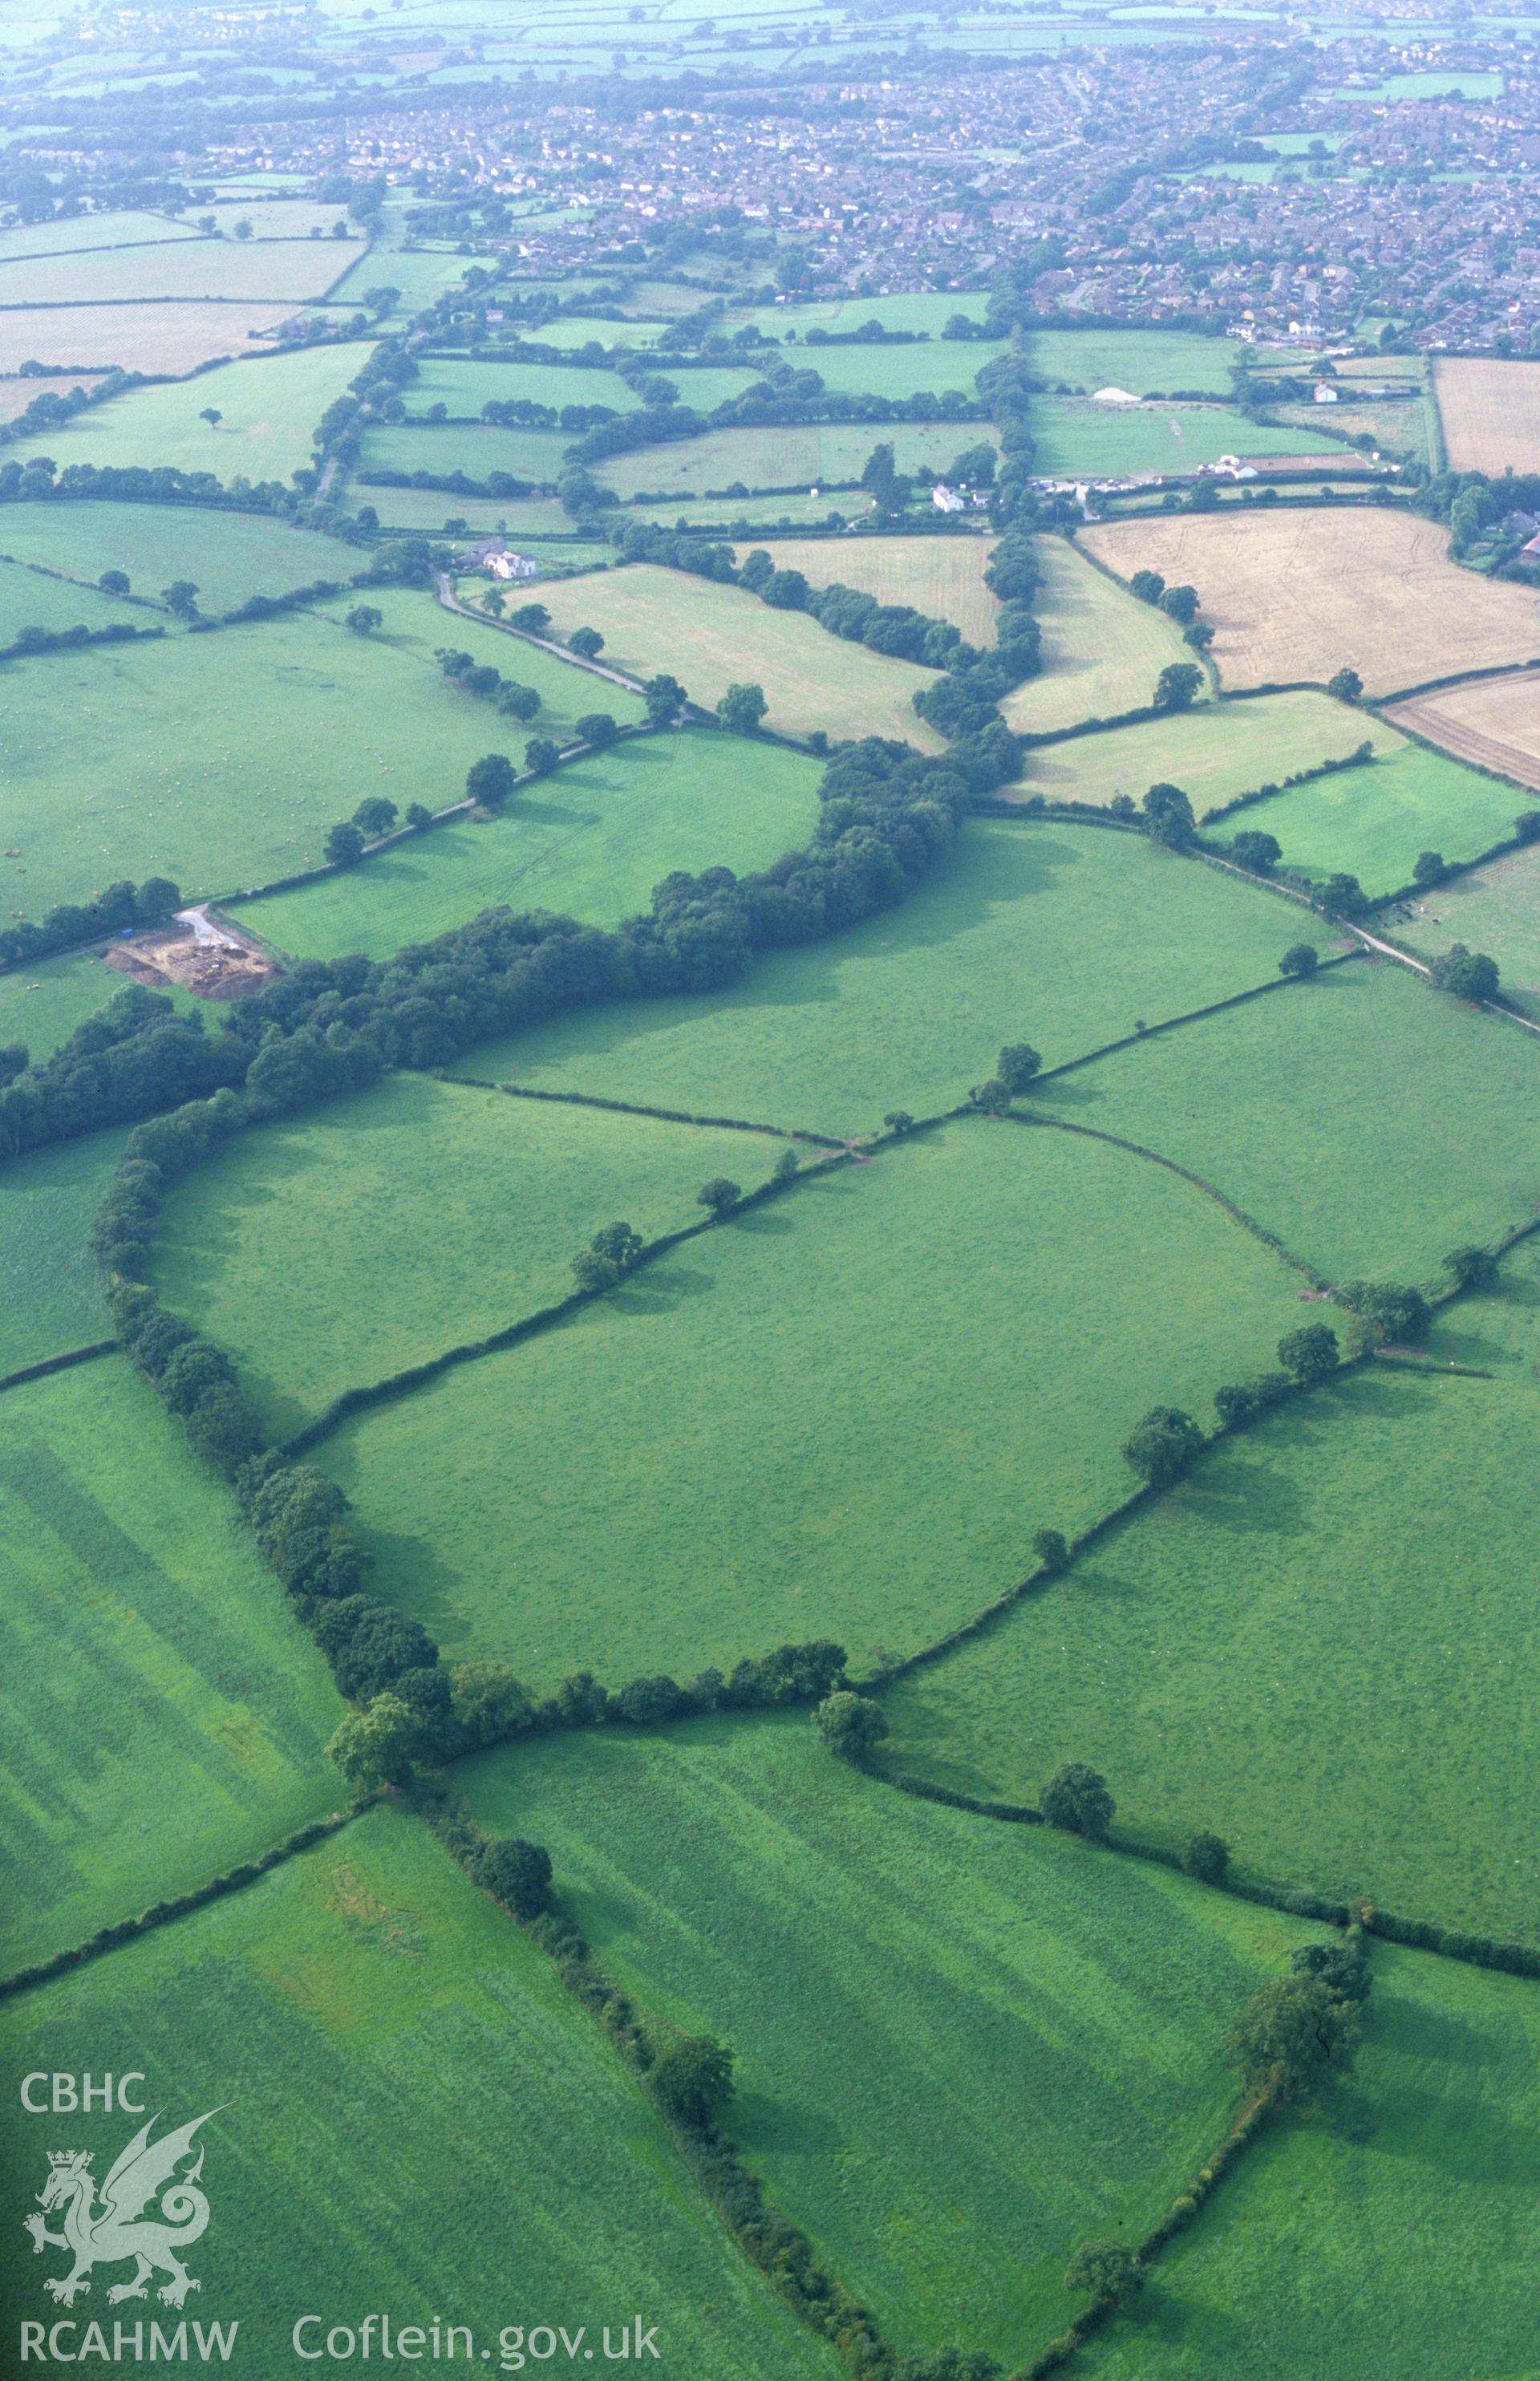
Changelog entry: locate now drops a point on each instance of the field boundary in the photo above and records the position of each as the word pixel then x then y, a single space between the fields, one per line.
pixel 46 1365
pixel 635 1107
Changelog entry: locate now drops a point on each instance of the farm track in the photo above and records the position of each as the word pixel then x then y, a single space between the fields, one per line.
pixel 451 603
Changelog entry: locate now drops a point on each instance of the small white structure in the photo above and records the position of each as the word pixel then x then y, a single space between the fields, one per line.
pixel 947 500
pixel 1114 396
pixel 1325 394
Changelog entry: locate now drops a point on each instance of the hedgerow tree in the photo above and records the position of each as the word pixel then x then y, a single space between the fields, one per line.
pixel 375 1747
pixel 1104 2270
pixel 691 2077
pixel 741 708
pixel 1300 959
pixel 1016 1066
pixel 1311 1352
pixel 595 728
pixel 375 815
pixel 1051 1547
pixel 489 781
pixel 1473 1267
pixel 1177 686
pixel 1345 684
pixel 852 1726
pixel 1290 2036
pixel 516 1874
pixel 1393 1310
pixel 1169 814
pixel 1076 1800
pixel 541 755
pixel 721 1194
pixel 344 843
pixel 610 1253
pixel 1163 1445
pixel 1471 976
pixel 586 642
pixel 664 698
pixel 1428 868
pixel 1207 1857
pixel 1254 850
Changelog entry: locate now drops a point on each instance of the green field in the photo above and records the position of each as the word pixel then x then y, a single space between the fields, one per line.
pixel 270 406
pixel 123 227
pixel 1213 752
pixel 1359 1179
pixel 420 274
pixel 276 1250
pixel 41 1005
pixel 477 450
pixel 769 1369
pixel 961 2048
pixel 592 840
pixel 228 555
pixel 1076 437
pixel 1398 426
pixel 168 1717
pixel 1103 649
pixel 1496 910
pixel 35 599
pixel 1374 821
pixel 580 330
pixel 911 310
pixel 47 1201
pixel 929 367
pixel 425 510
pixel 702 386
pixel 1138 360
pixel 465 384
pixel 812 455
pixel 1393 2234
pixel 386 2042
pixel 1022 932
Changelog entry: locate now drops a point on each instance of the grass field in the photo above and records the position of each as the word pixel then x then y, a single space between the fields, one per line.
pixel 47 1201
pixel 1297 595
pixel 1103 649
pixel 385 2041
pixel 1393 2234
pixel 1493 722
pixel 173 337
pixel 812 455
pixel 142 761
pixel 465 384
pixel 169 1716
pixel 477 450
pixel 1399 427
pixel 1138 360
pixel 1490 410
pixel 241 270
pixel 122 227
pixel 961 2049
pixel 913 309
pixel 269 410
pixel 770 1369
pixel 421 509
pixel 1374 821
pixel 35 599
pixel 930 367
pixel 591 840
pixel 1213 752
pixel 1495 909
pixel 579 330
pixel 278 1250
pixel 420 274
pixel 41 1005
pixel 1077 437
pixel 1020 933
pixel 1449 1154
pixel 228 555
pixel 710 636
pixel 729 514
pixel 942 577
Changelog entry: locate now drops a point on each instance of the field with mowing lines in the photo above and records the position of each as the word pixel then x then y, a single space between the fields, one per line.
pixel 1022 932
pixel 47 1201
pixel 268 411
pixel 366 1987
pixel 276 1250
pixel 1393 2233
pixel 961 2048
pixel 475 449
pixel 1496 910
pixel 942 577
pixel 1452 1155
pixel 712 635
pixel 170 1718
pixel 1141 361
pixel 173 337
pixel 591 840
pixel 466 383
pixel 1213 752
pixel 1298 594
pixel 810 454
pixel 768 1368
pixel 1494 722
pixel 240 270
pixel 1077 437
pixel 1103 649
pixel 1490 408
pixel 1374 821
pixel 228 555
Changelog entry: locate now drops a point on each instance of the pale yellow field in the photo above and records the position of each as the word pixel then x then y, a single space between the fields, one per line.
pixel 1103 649
pixel 1495 722
pixel 709 636
pixel 176 337
pixel 942 577
pixel 16 395
pixel 290 269
pixel 1298 595
pixel 1491 412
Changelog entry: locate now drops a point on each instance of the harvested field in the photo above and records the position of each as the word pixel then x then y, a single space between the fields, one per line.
pixel 1490 410
pixel 942 577
pixel 16 395
pixel 1494 722
pixel 1297 595
pixel 1103 649
pixel 173 337
pixel 289 269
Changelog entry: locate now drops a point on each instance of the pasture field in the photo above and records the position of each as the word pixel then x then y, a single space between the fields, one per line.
pixel 1103 649
pixel 1450 1155
pixel 36 599
pixel 1214 751
pixel 591 840
pixel 276 1250
pixel 796 510
pixel 416 628
pixel 41 1005
pixel 268 408
pixel 1076 437
pixel 173 337
pixel 805 454
pixel 1022 932
pixel 1298 594
pixel 706 386
pixel 388 2041
pixel 425 510
pixel 228 555
pixel 1494 722
pixel 942 577
pixel 928 367
pixel 580 330
pixel 465 383
pixel 1490 408
pixel 1374 821
pixel 284 218
pixel 478 450
pixel 146 759
pixel 53 1287
pixel 123 227
pixel 961 2048
pixel 768 1368
pixel 1496 909
pixel 420 273
pixel 1431 2147
pixel 1399 427
pixel 913 309
pixel 170 1718
pixel 227 269
pixel 1142 361
pixel 712 635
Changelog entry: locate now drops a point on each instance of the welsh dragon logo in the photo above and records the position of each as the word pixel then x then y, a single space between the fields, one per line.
pixel 119 2227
